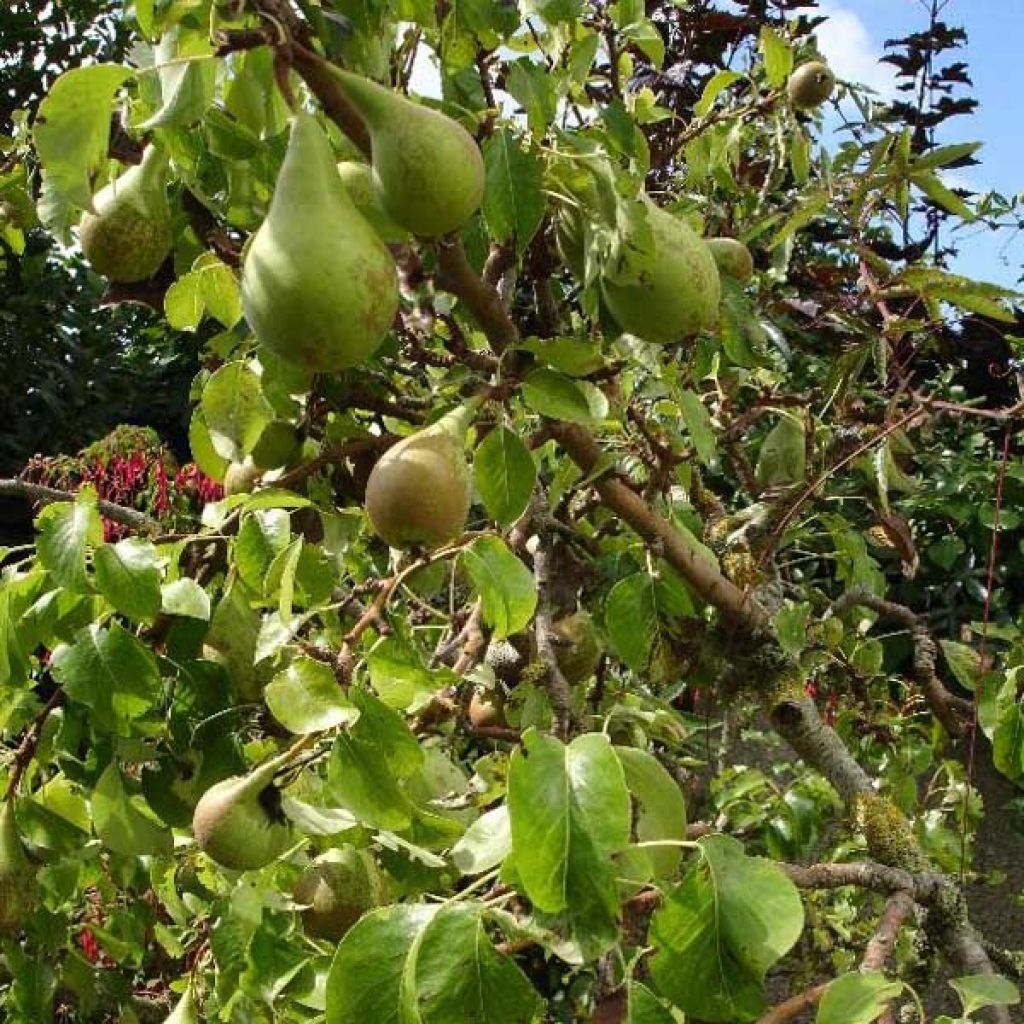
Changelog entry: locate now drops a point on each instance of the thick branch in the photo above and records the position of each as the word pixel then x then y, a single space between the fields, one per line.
pixel 795 1005
pixel 129 517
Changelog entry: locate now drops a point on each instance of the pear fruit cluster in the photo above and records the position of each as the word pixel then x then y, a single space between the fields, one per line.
pixel 127 234
pixel 419 492
pixel 427 168
pixel 337 889
pixel 319 287
pixel 732 258
pixel 358 180
pixel 18 885
pixel 676 295
pixel 810 85
pixel 239 822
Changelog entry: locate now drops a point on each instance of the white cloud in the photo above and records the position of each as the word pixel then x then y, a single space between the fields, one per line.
pixel 851 52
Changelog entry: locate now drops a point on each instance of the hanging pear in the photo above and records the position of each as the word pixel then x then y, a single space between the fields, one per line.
pixel 186 1011
pixel 420 490
pixel 337 889
pixel 127 235
pixel 318 285
pixel 427 167
pixel 358 179
pixel 17 876
pixel 239 822
pixel 732 258
pixel 677 292
pixel 810 85
pixel 577 646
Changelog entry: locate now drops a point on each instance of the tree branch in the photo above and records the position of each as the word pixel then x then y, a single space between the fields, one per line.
pixel 41 494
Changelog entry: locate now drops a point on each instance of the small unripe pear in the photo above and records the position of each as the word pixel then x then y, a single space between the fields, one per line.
pixel 337 889
pixel 239 822
pixel 810 85
pixel 732 258
pixel 127 234
pixel 419 492
pixel 677 295
pixel 319 287
pixel 487 710
pixel 577 646
pixel 18 887
pixel 358 180
pixel 241 477
pixel 428 169
pixel 186 1011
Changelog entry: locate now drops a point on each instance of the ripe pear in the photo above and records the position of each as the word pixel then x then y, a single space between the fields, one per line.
pixel 577 646
pixel 358 179
pixel 732 258
pixel 17 876
pixel 186 1011
pixel 241 477
pixel 428 169
pixel 127 234
pixel 239 822
pixel 420 490
pixel 318 285
pixel 810 85
pixel 337 889
pixel 677 295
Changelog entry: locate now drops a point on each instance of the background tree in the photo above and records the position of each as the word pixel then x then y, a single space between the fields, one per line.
pixel 646 711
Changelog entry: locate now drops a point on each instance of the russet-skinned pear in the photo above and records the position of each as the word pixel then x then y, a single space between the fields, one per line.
pixel 428 169
pixel 127 234
pixel 419 492
pixel 337 889
pixel 319 287
pixel 676 295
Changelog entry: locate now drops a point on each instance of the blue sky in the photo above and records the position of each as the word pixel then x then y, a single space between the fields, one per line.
pixel 853 40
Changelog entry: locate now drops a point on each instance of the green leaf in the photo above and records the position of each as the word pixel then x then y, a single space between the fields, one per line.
pixel 188 75
pixel 945 155
pixel 306 698
pixel 504 584
pixel 718 82
pixel 366 978
pixel 209 287
pixel 72 129
pixel 66 530
pixel 730 920
pixel 699 425
pixel 778 56
pixel 485 844
pixel 361 782
pixel 857 998
pixel 1005 723
pixel 934 189
pixel 783 454
pixel 964 662
pixel 263 535
pixel 645 36
pixel 398 674
pixel 937 286
pixel 533 88
pixel 122 824
pixel 643 1007
pixel 186 598
pixel 569 355
pixel 553 394
pixel 235 410
pixel 513 204
pixel 128 576
pixel 110 672
pixel 569 812
pixel 504 474
pixel 976 991
pixel 634 613
pixel 458 975
pixel 661 810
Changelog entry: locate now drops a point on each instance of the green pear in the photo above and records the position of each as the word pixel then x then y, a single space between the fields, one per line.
pixel 18 888
pixel 239 822
pixel 676 295
pixel 127 234
pixel 732 258
pixel 419 492
pixel 319 287
pixel 577 646
pixel 358 179
pixel 186 1011
pixel 428 169
pixel 337 889
pixel 810 85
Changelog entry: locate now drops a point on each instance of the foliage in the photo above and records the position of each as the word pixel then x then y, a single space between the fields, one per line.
pixel 743 514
